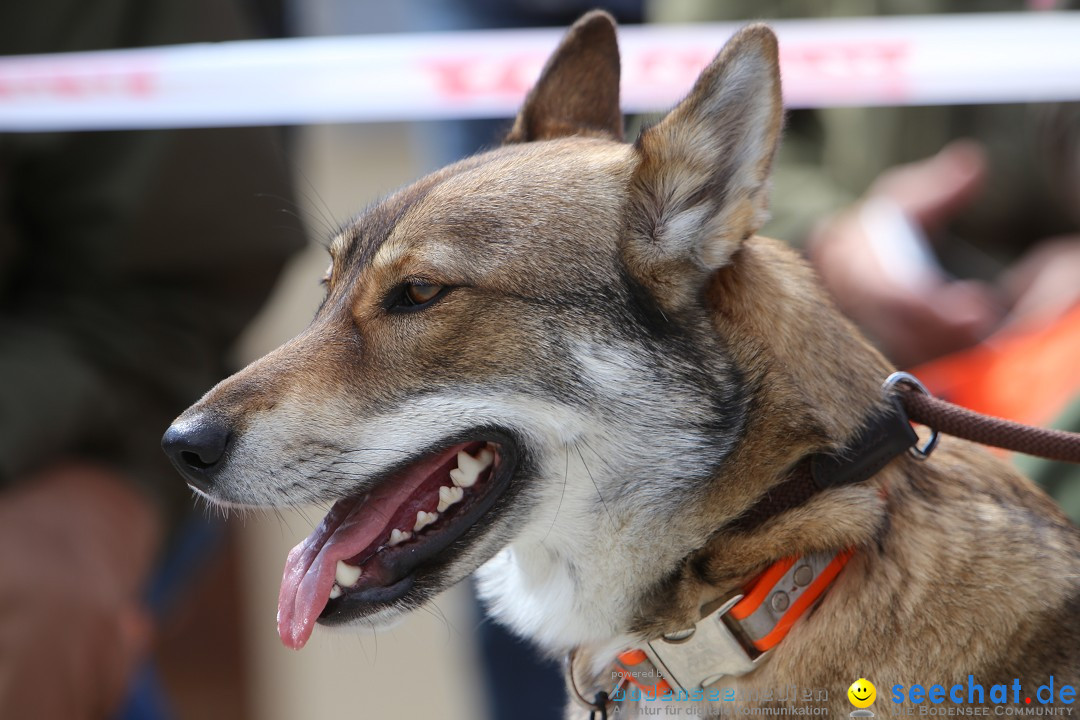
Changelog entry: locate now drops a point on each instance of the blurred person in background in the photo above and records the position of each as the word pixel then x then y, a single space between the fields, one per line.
pixel 129 261
pixel 940 230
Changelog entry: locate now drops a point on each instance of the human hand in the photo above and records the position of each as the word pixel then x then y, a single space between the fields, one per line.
pixel 76 545
pixel 910 307
pixel 1044 283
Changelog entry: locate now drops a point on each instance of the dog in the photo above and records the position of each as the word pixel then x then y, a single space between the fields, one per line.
pixel 570 365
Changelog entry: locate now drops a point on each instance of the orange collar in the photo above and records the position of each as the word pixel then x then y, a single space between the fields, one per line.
pixel 736 637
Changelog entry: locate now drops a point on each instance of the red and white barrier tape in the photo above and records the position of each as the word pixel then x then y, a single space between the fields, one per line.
pixel 926 60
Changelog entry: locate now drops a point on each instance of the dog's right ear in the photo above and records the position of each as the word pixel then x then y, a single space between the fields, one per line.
pixel 701 184
pixel 578 90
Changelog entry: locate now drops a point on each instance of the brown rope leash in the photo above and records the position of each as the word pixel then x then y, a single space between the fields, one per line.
pixel 952 419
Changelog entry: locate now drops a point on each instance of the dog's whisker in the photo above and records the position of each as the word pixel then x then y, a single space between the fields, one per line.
pixel 374 449
pixel 593 480
pixel 436 612
pixel 484 620
pixel 562 494
pixel 303 213
pixel 323 207
pixel 375 636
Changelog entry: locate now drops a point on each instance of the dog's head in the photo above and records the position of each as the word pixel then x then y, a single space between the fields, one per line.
pixel 513 353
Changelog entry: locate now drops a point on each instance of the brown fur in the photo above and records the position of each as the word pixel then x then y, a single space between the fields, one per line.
pixel 963 566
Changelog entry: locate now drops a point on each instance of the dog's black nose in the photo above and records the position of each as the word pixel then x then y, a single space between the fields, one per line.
pixel 195 448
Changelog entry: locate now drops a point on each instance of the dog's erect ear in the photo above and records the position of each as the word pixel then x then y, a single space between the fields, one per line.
pixel 578 90
pixel 701 186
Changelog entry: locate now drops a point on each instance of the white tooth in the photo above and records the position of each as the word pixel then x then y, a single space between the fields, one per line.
pixel 468 464
pixel 335 592
pixel 460 478
pixel 397 537
pixel 423 519
pixel 485 456
pixel 469 467
pixel 346 574
pixel 448 496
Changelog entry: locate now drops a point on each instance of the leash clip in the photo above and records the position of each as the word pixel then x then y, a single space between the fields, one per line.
pixel 919 453
pixel 603 703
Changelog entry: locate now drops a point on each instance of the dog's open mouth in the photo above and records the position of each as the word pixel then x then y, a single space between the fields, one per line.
pixel 366 552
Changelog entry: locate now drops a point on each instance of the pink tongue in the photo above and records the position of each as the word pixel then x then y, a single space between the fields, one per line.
pixel 350 527
pixel 310 569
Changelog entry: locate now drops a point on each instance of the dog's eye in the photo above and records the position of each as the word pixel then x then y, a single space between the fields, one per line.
pixel 415 295
pixel 419 293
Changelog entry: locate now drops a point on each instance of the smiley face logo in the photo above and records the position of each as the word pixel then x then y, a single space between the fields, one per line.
pixel 862 693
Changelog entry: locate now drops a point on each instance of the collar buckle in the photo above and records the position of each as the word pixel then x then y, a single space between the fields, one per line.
pixel 702 655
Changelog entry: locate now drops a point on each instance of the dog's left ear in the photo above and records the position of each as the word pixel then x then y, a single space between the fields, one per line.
pixel 578 90
pixel 701 185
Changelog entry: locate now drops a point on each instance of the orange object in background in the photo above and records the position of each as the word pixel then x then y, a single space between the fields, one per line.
pixel 1026 375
